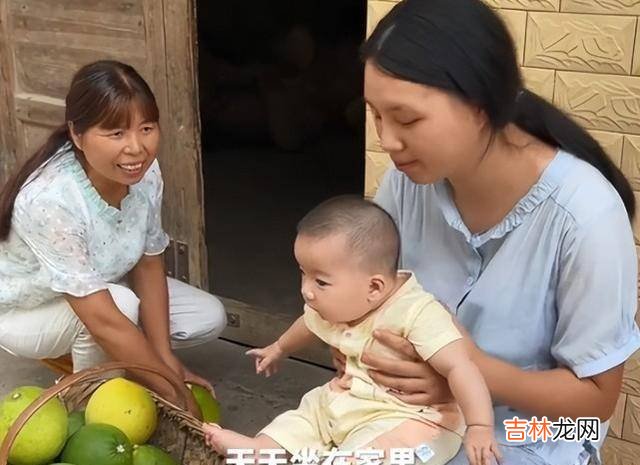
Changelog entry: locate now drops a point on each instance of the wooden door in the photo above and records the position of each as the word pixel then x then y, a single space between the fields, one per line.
pixel 43 42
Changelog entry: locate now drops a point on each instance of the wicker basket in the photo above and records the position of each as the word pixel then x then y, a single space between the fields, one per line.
pixel 178 432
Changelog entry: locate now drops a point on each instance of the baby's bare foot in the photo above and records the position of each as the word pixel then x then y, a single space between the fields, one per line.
pixel 221 440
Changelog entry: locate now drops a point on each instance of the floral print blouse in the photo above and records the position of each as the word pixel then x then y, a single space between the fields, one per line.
pixel 66 239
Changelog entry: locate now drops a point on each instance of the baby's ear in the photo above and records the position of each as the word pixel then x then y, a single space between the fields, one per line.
pixel 377 286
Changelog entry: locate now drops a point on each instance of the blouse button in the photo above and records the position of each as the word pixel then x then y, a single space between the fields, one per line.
pixel 470 281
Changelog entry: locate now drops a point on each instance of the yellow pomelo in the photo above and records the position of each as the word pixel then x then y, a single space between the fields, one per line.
pixel 43 436
pixel 125 405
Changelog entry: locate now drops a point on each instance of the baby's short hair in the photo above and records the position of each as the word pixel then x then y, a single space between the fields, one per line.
pixel 371 233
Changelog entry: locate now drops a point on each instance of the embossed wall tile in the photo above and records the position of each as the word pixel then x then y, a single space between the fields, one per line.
pixel 376 10
pixel 516 22
pixel 593 43
pixel 615 426
pixel 373 141
pixel 612 143
pixel 532 5
pixel 626 7
pixel 636 52
pixel 619 452
pixel 631 160
pixel 376 165
pixel 540 81
pixel 610 103
pixel 631 427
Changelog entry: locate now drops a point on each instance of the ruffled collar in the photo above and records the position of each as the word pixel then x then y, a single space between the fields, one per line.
pixel 539 192
pixel 67 160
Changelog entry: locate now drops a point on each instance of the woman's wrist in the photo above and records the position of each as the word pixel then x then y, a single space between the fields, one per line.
pixel 173 362
pixel 166 355
pixel 163 348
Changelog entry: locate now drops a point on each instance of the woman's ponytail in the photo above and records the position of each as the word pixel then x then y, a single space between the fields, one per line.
pixel 546 122
pixel 464 47
pixel 10 191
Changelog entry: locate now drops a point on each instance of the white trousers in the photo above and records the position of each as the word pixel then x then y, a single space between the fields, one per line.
pixel 53 329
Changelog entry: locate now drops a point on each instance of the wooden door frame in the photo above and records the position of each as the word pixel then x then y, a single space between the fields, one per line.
pixel 7 115
pixel 182 121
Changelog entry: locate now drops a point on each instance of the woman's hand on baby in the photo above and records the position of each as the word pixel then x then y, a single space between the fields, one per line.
pixel 409 378
pixel 480 445
pixel 268 358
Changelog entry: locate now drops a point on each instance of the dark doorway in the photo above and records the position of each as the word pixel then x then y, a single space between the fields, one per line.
pixel 282 129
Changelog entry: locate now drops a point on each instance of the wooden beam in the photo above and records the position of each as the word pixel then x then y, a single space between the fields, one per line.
pixel 184 212
pixel 8 146
pixel 257 327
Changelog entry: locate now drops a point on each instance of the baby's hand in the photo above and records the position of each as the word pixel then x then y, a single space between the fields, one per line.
pixel 481 446
pixel 268 358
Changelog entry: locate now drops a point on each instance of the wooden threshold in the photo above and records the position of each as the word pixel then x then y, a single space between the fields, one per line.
pixel 258 327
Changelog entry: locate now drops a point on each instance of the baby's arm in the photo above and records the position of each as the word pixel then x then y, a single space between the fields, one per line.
pixel 295 338
pixel 466 383
pixel 471 393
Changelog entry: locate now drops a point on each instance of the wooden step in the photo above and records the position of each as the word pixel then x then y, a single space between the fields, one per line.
pixel 61 365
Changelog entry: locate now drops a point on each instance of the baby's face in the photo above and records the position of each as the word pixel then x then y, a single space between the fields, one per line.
pixel 333 283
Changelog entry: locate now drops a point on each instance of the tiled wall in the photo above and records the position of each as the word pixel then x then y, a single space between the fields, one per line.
pixel 583 55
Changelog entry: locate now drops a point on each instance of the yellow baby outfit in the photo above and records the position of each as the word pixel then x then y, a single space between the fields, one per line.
pixel 352 411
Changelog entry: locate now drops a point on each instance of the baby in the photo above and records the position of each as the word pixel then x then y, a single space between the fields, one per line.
pixel 348 250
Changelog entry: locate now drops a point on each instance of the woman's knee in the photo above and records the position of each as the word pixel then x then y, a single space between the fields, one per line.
pixel 211 317
pixel 199 318
pixel 126 300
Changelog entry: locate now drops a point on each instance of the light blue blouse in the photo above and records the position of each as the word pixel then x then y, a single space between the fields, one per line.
pixel 553 284
pixel 66 239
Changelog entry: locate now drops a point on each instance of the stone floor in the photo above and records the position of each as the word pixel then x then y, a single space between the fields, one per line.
pixel 248 401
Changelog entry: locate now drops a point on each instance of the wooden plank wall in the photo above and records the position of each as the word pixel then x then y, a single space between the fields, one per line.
pixel 583 55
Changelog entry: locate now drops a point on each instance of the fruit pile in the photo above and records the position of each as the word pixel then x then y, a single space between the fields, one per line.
pixel 119 418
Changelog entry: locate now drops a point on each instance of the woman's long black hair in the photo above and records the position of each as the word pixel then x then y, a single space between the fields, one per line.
pixel 463 46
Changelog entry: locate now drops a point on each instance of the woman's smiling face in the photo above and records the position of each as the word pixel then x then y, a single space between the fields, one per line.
pixel 120 155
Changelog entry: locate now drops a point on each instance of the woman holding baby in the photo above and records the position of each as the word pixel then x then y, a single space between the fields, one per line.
pixel 512 215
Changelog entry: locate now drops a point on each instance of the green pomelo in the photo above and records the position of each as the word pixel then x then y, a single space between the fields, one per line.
pixel 76 421
pixel 151 455
pixel 98 444
pixel 209 405
pixel 43 436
